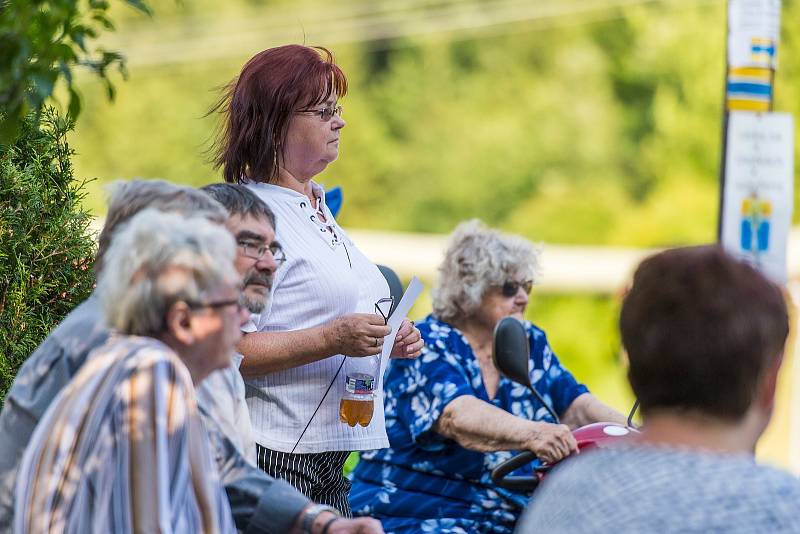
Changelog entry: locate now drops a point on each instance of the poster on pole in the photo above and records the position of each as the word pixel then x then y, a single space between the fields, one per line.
pixel 758 196
pixel 753 32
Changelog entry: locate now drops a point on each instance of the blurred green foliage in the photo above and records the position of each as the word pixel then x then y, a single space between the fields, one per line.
pixel 41 43
pixel 606 131
pixel 593 130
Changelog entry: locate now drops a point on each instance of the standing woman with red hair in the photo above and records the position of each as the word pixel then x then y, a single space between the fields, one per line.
pixel 282 125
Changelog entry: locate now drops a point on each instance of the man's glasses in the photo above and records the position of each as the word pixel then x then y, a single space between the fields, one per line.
pixel 256 252
pixel 384 308
pixel 214 304
pixel 510 289
pixel 325 113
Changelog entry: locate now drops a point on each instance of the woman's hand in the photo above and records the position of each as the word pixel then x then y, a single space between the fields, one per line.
pixel 357 334
pixel 551 442
pixel 408 342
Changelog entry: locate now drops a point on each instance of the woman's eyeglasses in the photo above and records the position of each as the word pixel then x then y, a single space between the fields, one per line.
pixel 325 113
pixel 510 289
pixel 256 252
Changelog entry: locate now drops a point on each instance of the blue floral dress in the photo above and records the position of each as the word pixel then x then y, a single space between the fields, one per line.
pixel 427 483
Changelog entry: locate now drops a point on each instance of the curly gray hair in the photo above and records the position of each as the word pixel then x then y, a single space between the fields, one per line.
pixel 477 259
pixel 158 258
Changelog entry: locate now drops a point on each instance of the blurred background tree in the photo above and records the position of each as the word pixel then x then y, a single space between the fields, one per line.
pixel 575 122
pixel 41 44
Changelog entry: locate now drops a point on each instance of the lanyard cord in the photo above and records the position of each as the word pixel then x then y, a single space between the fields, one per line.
pixel 320 404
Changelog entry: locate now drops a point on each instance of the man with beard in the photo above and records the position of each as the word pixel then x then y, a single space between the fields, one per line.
pixel 252 224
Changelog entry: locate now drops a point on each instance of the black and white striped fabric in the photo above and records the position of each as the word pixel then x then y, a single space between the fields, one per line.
pixel 318 476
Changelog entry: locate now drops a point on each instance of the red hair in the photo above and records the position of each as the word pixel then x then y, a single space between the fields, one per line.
pixel 258 105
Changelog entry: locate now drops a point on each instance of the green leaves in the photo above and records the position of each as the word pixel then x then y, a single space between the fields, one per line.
pixel 46 248
pixel 41 41
pixel 138 5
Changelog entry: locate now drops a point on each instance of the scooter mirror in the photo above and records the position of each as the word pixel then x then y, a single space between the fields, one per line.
pixel 510 350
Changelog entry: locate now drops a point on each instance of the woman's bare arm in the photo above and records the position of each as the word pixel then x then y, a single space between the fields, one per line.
pixel 354 335
pixel 587 408
pixel 479 426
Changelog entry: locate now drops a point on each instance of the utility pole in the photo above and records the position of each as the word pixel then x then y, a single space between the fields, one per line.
pixel 757 187
pixel 757 161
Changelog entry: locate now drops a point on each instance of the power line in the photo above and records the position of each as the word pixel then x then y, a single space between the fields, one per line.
pixel 367 22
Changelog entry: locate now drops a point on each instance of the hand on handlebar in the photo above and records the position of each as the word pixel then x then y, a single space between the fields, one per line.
pixel 551 442
pixel 357 334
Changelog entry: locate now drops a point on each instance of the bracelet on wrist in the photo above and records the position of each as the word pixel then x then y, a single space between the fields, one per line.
pixel 328 524
pixel 313 512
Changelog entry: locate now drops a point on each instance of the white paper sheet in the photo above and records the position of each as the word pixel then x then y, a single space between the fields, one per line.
pixel 759 189
pixel 413 291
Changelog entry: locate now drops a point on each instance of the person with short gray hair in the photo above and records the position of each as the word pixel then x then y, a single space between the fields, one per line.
pixel 451 417
pixel 260 503
pixel 253 225
pixel 126 431
pixel 137 303
pixel 127 198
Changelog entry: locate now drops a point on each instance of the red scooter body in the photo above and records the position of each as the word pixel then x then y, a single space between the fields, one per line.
pixel 594 435
pixel 588 437
pixel 599 434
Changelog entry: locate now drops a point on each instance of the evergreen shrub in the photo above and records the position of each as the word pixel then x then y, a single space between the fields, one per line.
pixel 46 244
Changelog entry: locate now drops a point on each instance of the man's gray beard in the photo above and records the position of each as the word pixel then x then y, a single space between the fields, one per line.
pixel 253 305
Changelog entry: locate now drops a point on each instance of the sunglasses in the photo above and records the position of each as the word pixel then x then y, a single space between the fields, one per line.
pixel 325 113
pixel 510 289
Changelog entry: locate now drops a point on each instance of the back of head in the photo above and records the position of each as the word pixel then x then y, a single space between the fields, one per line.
pixel 127 198
pixel 159 258
pixel 700 329
pixel 257 106
pixel 239 200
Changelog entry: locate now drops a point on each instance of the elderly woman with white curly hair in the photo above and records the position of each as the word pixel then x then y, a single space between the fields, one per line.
pixel 122 447
pixel 451 417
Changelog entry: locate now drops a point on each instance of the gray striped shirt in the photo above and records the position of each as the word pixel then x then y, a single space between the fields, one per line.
pixel 646 488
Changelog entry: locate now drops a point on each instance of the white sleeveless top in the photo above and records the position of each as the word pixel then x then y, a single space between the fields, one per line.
pixel 324 277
